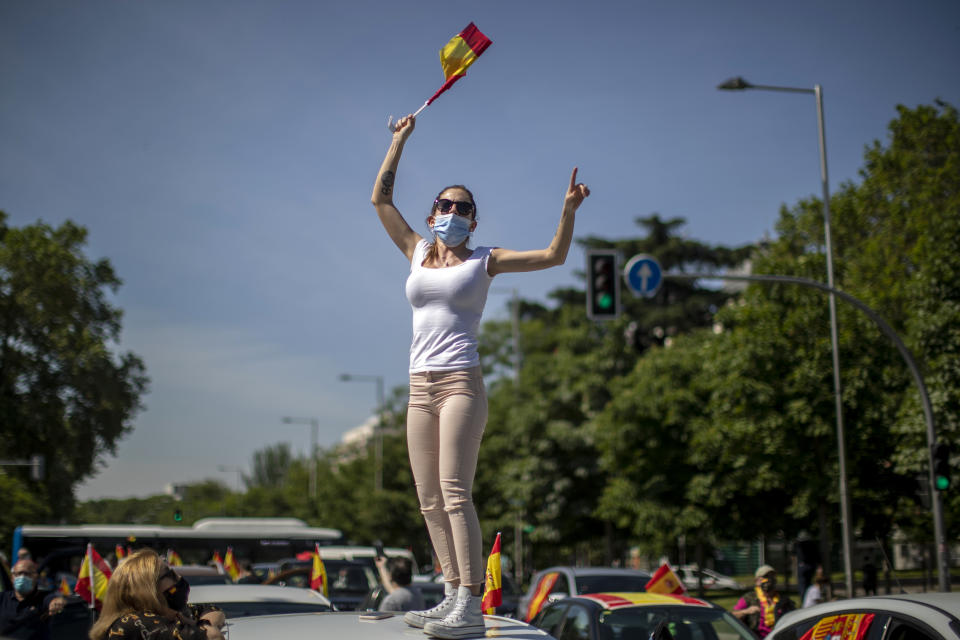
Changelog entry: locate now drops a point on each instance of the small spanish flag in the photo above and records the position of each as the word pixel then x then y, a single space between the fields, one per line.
pixel 64 587
pixel 120 553
pixel 544 587
pixel 664 580
pixel 493 589
pixel 218 562
pixel 173 558
pixel 847 626
pixel 230 564
pixel 318 575
pixel 458 54
pixel 93 577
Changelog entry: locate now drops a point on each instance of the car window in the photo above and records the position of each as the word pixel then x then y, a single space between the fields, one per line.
pixel 244 609
pixel 550 617
pixel 901 630
pixel 576 626
pixel 611 584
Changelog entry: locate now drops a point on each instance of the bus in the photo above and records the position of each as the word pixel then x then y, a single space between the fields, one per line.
pixel 60 548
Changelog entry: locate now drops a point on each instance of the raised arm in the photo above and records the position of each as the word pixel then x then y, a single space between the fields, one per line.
pixel 508 261
pixel 397 228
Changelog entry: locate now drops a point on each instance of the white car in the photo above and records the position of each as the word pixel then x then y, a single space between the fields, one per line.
pixel 242 600
pixel 365 626
pixel 916 616
pixel 688 573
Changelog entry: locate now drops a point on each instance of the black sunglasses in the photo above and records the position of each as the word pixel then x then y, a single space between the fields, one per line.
pixel 464 207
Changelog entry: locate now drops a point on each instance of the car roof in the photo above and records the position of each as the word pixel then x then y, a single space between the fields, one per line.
pixel 214 593
pixel 614 601
pixel 366 626
pixel 597 571
pixel 932 608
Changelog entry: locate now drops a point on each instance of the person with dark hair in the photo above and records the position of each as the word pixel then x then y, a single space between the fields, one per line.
pixel 447 411
pixel 396 575
pixel 25 611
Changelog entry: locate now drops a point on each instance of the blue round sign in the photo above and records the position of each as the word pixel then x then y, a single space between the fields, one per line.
pixel 643 275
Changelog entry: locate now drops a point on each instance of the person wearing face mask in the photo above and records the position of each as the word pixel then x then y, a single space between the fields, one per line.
pixel 146 599
pixel 447 412
pixel 760 609
pixel 25 610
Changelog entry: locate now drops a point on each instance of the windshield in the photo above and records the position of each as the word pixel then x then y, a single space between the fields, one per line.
pixel 615 583
pixel 682 623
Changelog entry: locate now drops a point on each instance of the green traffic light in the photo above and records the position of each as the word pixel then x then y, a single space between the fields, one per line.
pixel 605 301
pixel 178 515
pixel 942 482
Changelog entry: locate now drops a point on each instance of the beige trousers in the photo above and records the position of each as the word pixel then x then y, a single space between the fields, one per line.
pixel 445 421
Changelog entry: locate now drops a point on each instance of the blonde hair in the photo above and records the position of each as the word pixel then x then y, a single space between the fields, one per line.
pixel 132 588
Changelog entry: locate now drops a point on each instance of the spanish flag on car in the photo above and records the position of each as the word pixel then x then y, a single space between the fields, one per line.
pixel 544 587
pixel 173 558
pixel 493 589
pixel 664 580
pixel 847 626
pixel 230 564
pixel 318 575
pixel 93 577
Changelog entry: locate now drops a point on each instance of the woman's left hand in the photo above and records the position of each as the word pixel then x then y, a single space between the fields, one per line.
pixel 576 193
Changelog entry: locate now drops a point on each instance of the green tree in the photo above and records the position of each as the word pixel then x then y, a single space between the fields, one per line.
pixel 270 466
pixel 63 392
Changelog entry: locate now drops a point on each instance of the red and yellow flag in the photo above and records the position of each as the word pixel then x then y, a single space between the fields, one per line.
pixel 64 587
pixel 230 564
pixel 120 552
pixel 318 575
pixel 458 54
pixel 493 589
pixel 664 580
pixel 544 587
pixel 173 558
pixel 847 626
pixel 93 577
pixel 217 561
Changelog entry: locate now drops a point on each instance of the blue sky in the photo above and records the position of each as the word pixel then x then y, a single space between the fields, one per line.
pixel 222 156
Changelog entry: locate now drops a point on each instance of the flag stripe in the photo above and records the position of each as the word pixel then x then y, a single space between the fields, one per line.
pixel 474 39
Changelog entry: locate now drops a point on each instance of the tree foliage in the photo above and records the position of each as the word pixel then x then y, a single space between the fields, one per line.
pixel 64 392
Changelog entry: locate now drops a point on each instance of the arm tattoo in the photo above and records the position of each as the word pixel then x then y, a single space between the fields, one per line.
pixel 386 180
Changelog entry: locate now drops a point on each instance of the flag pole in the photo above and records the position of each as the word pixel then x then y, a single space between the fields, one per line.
pixel 393 127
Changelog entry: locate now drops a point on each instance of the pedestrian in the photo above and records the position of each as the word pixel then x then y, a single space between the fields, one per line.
pixel 447 411
pixel 147 600
pixel 760 608
pixel 396 575
pixel 869 577
pixel 25 611
pixel 817 591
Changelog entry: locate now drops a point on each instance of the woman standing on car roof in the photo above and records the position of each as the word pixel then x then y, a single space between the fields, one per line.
pixel 447 288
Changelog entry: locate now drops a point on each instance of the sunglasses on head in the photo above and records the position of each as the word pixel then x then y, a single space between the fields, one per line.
pixel 464 207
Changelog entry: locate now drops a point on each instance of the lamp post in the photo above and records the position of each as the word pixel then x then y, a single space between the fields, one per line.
pixel 738 84
pixel 228 469
pixel 378 429
pixel 314 427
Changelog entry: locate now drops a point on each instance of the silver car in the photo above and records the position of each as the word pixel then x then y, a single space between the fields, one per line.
pixel 575 581
pixel 921 616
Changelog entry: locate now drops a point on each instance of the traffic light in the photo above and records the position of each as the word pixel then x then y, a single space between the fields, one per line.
pixel 178 515
pixel 603 284
pixel 941 466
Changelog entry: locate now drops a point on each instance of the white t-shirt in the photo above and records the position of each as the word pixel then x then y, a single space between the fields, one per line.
pixel 812 596
pixel 447 306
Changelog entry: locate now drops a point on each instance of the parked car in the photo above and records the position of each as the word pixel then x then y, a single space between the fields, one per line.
pixel 242 600
pixel 573 581
pixel 198 574
pixel 349 582
pixel 361 626
pixel 609 616
pixel 689 574
pixel 919 616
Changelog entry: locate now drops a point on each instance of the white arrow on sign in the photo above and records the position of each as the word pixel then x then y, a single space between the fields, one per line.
pixel 643 275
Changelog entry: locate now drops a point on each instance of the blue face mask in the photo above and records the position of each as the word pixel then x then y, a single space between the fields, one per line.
pixel 451 228
pixel 23 584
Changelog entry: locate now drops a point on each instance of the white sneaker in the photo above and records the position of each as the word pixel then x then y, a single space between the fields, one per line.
pixel 465 621
pixel 439 612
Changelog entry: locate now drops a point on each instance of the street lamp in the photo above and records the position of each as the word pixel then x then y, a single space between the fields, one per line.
pixel 739 84
pixel 228 469
pixel 378 429
pixel 315 426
